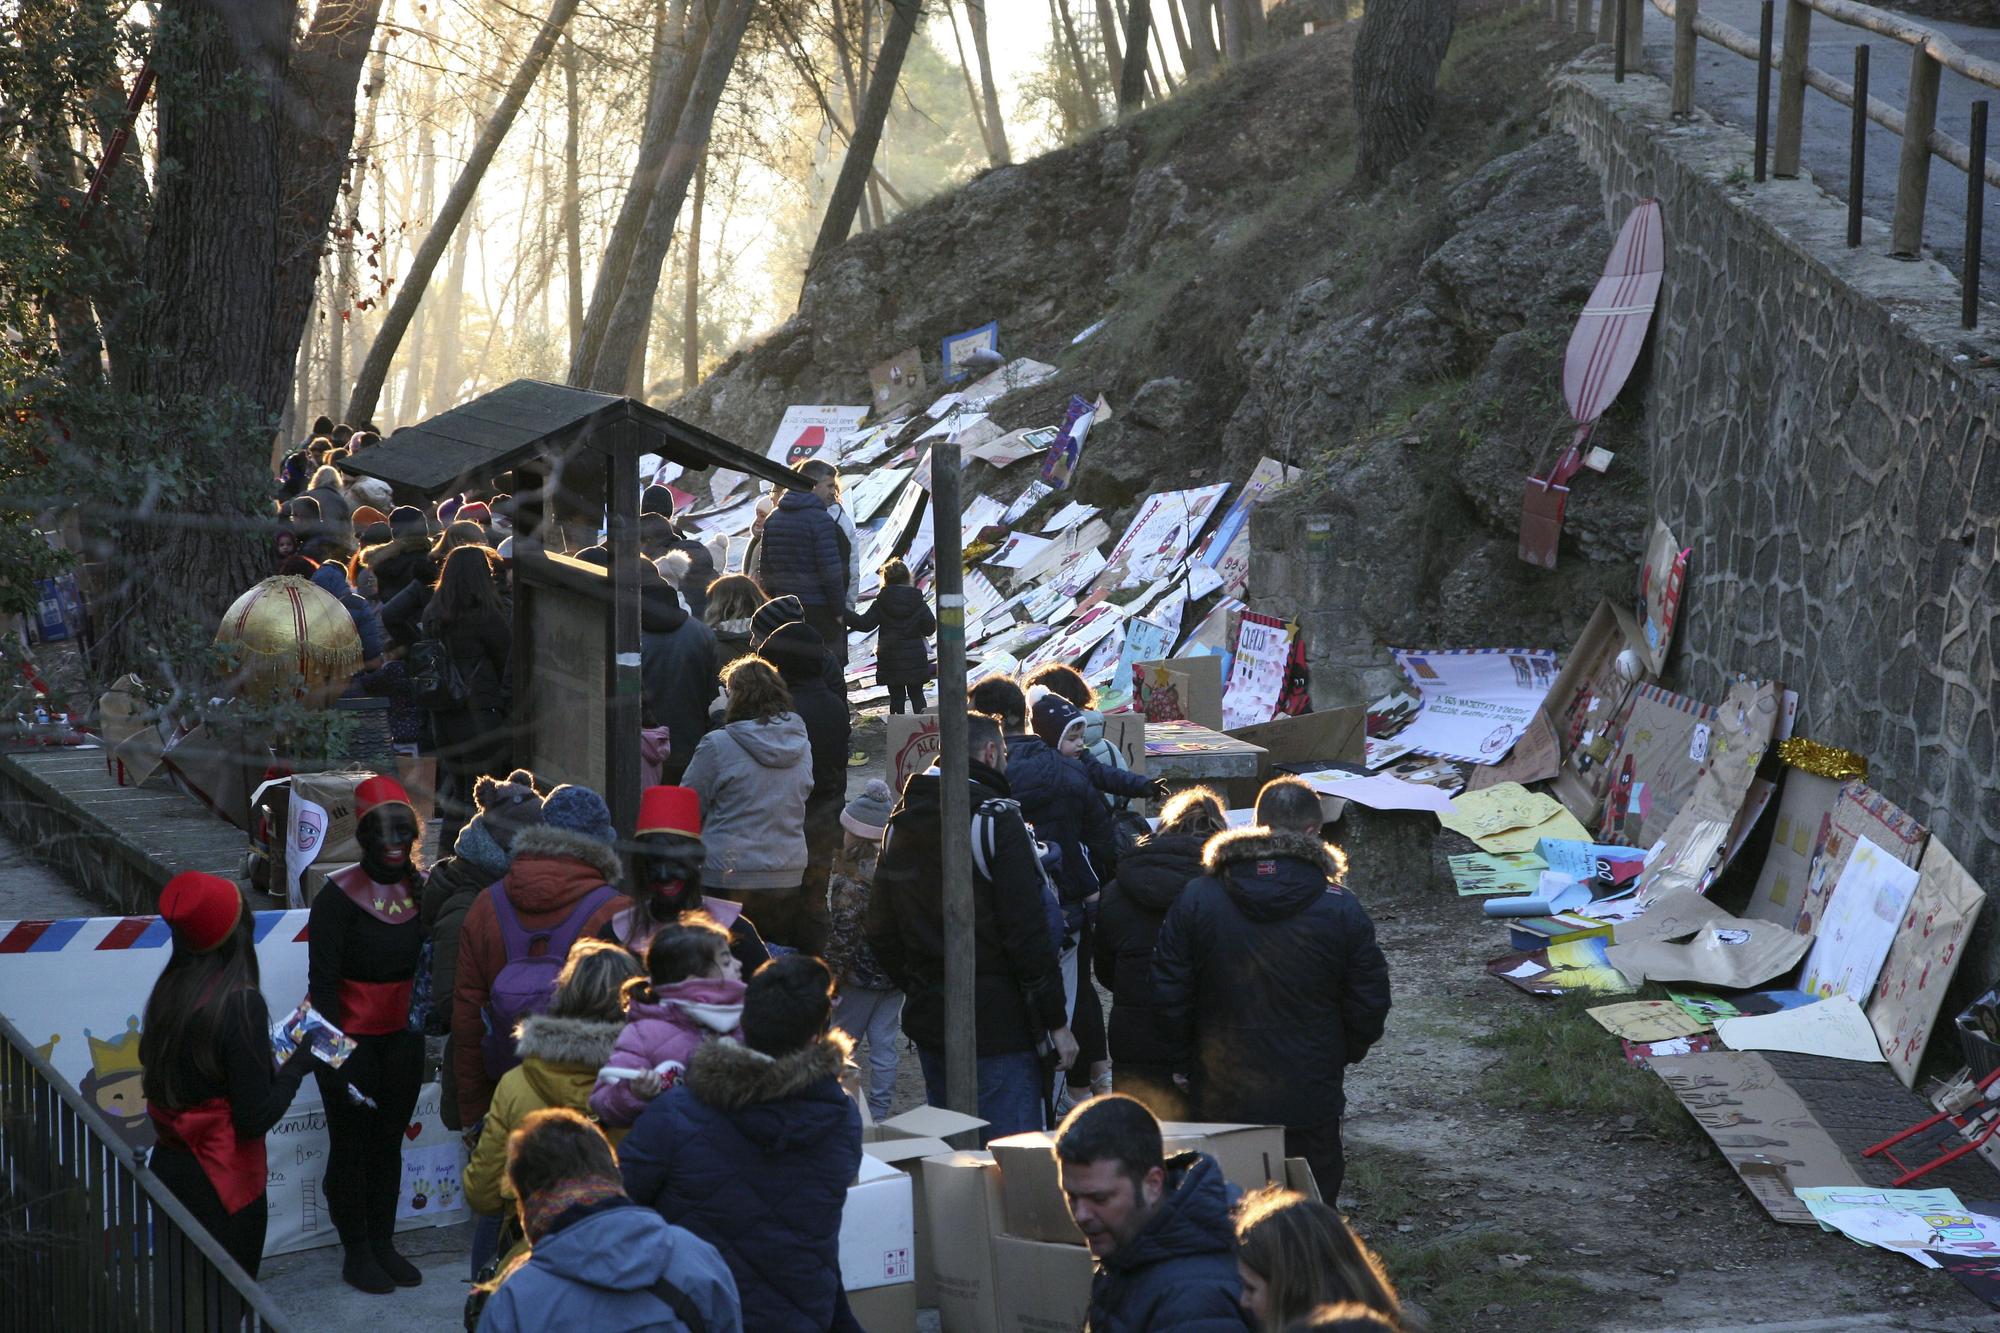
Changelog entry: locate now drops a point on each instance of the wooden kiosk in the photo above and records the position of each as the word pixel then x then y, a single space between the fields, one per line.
pixel 574 459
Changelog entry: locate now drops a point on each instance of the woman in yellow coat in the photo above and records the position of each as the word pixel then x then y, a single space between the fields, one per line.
pixel 561 1051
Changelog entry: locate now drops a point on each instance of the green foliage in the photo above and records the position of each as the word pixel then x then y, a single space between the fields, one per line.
pixel 191 684
pixel 1556 1057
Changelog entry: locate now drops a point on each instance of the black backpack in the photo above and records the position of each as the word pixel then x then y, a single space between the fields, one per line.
pixel 434 676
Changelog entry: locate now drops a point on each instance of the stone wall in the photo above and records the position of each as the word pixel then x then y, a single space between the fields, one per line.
pixel 1820 440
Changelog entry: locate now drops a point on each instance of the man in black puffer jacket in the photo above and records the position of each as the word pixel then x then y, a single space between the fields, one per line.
pixel 1159 1230
pixel 1270 982
pixel 805 555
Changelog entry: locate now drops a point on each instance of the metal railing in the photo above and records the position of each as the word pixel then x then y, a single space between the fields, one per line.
pixel 89 1238
pixel 1915 123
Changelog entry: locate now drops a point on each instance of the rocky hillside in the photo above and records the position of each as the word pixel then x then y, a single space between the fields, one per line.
pixel 1401 346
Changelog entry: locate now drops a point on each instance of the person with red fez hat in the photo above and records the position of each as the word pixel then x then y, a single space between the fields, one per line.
pixel 666 871
pixel 365 943
pixel 206 1047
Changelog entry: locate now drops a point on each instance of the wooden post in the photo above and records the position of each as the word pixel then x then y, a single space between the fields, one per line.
pixel 1792 89
pixel 961 1042
pixel 1635 33
pixel 1684 39
pixel 1975 216
pixel 1763 89
pixel 623 708
pixel 1913 178
pixel 1857 146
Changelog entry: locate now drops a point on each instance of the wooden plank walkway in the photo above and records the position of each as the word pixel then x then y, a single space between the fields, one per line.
pixel 117 845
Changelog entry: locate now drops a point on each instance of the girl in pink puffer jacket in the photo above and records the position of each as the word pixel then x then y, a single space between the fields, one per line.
pixel 694 992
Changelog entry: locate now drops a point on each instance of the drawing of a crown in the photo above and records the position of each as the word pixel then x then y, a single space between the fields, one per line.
pixel 111 1058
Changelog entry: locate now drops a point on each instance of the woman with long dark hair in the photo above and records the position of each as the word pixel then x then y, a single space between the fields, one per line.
pixel 206 1046
pixel 472 739
pixel 364 944
pixel 1295 1254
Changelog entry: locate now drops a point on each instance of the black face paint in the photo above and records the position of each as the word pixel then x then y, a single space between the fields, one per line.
pixel 386 836
pixel 669 872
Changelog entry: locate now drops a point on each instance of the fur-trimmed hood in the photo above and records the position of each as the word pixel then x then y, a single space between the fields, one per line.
pixel 567 1041
pixel 1258 843
pixel 730 1076
pixel 547 842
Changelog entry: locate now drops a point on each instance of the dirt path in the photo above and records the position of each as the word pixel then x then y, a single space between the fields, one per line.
pixel 1627 1221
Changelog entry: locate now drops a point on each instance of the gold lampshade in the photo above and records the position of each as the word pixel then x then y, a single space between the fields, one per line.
pixel 287 626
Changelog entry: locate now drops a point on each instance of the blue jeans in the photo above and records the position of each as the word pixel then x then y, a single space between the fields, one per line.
pixel 1011 1089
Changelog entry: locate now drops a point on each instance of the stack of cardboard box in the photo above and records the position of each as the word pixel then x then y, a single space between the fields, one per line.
pixel 884 1240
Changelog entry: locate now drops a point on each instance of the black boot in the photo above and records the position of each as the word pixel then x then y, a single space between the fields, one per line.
pixel 400 1270
pixel 363 1273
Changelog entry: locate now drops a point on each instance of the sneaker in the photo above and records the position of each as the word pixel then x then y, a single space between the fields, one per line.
pixel 1100 1084
pixel 400 1270
pixel 363 1273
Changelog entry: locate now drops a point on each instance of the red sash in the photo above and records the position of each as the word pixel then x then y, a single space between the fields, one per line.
pixel 374 1008
pixel 234 1166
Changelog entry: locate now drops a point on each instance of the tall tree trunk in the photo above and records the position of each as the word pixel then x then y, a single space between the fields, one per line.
pixel 1396 60
pixel 971 90
pixel 691 301
pixel 450 316
pixel 1132 89
pixel 1235 29
pixel 348 213
pixel 1181 42
pixel 1079 66
pixel 1108 29
pixel 656 144
pixel 1201 34
pixel 409 401
pixel 572 219
pixel 339 310
pixel 368 385
pixel 1164 66
pixel 633 308
pixel 657 74
pixel 253 135
pixel 996 147
pixel 860 158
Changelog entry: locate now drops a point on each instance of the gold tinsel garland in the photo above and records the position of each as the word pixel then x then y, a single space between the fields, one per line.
pixel 1824 761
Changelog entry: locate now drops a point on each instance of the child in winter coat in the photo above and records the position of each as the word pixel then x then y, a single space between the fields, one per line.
pixel 870 1005
pixel 695 992
pixel 905 622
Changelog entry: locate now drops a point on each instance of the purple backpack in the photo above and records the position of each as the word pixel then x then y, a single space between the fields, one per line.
pixel 527 982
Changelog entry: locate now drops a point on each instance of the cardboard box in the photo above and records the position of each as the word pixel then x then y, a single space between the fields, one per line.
pixel 1299 1176
pixel 1201 694
pixel 878 1229
pixel 962 1211
pixel 1042 1287
pixel 913 746
pixel 1032 1202
pixel 904 1141
pixel 1338 736
pixel 1127 731
pixel 319 830
pixel 1249 1155
pixel 885 1309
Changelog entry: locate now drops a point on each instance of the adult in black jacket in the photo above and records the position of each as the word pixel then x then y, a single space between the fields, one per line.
pixel 1270 982
pixel 1017 988
pixel 472 739
pixel 1149 880
pixel 679 670
pixel 904 624
pixel 800 656
pixel 805 555
pixel 660 536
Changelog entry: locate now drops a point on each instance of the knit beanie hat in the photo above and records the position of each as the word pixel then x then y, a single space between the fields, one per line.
pixel 366 516
pixel 1050 715
pixel 476 512
pixel 408 521
pixel 579 810
pixel 512 799
pixel 778 611
pixel 657 499
pixel 201 909
pixel 867 815
pixel 795 649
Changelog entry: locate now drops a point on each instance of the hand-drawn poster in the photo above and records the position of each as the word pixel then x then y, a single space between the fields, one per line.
pixel 1658 747
pixel 1483 872
pixel 1477 701
pixel 1257 675
pixel 1858 923
pixel 1227 550
pixel 897 381
pixel 1762 1127
pixel 1146 640
pixel 1805 804
pixel 1922 959
pixel 956 347
pixel 1660 583
pixel 813 432
pixel 1066 450
pixel 1860 812
pixel 1159 535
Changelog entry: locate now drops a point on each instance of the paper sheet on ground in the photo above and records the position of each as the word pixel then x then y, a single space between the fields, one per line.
pixel 1573 965
pixel 1834 1028
pixel 1647 1020
pixel 1510 818
pixel 1828 1201
pixel 1554 895
pixel 813 432
pixel 1014 446
pixel 1736 952
pixel 1858 923
pixel 1378 791
pixel 1477 702
pixel 1483 872
pixel 1913 1231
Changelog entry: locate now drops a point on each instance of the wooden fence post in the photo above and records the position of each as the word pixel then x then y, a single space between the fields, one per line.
pixel 1792 89
pixel 1906 231
pixel 1684 39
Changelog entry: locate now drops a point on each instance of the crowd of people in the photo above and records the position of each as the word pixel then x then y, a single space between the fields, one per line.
pixel 647 1032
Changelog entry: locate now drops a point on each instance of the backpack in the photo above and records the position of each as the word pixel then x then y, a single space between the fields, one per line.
pixel 527 982
pixel 1048 859
pixel 434 677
